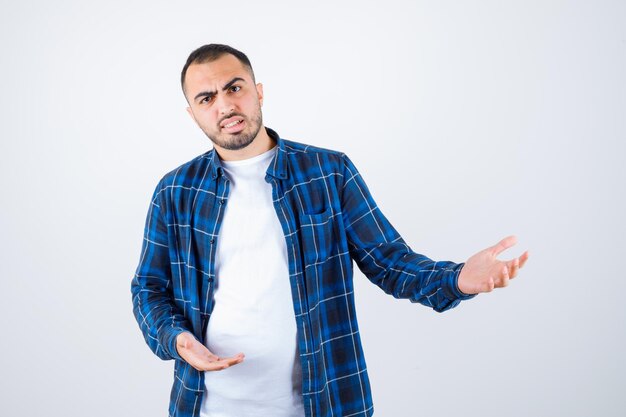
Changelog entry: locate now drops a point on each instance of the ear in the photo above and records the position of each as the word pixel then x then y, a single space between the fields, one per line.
pixel 191 113
pixel 259 91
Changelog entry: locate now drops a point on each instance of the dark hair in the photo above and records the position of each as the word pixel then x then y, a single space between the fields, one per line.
pixel 210 53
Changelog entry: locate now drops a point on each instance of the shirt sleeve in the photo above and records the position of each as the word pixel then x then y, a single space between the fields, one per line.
pixel 383 256
pixel 159 319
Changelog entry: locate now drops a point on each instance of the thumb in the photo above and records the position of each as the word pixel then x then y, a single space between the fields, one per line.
pixel 505 243
pixel 184 341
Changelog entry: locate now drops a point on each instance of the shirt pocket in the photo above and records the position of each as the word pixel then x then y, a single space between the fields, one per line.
pixel 317 236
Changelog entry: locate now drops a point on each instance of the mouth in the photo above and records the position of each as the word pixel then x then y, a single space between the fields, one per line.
pixel 233 124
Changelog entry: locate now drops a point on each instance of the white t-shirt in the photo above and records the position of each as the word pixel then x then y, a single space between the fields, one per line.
pixel 253 311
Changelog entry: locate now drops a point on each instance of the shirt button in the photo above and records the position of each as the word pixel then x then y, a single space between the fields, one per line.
pixel 222 201
pixel 210 279
pixel 212 241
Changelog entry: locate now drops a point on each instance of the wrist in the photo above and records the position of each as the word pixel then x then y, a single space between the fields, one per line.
pixel 459 283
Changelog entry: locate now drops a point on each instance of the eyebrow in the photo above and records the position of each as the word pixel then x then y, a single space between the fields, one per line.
pixel 212 93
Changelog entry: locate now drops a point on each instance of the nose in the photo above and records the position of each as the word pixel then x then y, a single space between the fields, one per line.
pixel 226 105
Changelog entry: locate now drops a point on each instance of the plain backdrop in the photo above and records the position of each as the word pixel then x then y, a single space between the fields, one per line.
pixel 469 120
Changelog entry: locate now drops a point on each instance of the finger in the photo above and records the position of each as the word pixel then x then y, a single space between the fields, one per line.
pixel 513 268
pixel 238 358
pixel 230 358
pixel 214 366
pixel 206 364
pixel 208 354
pixel 504 244
pixel 489 285
pixel 523 259
pixel 224 363
pixel 504 281
pixel 201 361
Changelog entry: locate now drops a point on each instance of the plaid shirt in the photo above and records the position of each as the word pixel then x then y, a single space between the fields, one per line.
pixel 329 219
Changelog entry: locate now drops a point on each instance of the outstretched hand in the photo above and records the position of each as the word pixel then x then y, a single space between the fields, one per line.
pixel 483 272
pixel 201 358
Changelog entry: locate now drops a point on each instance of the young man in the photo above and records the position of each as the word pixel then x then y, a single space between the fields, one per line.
pixel 249 248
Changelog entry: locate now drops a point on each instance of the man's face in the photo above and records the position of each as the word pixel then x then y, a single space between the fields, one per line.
pixel 224 101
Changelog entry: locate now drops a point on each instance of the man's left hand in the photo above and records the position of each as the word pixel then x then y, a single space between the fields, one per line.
pixel 483 272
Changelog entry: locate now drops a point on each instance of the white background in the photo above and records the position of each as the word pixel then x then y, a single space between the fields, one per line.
pixel 469 120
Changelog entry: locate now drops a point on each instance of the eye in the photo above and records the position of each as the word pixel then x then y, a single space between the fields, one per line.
pixel 206 99
pixel 235 88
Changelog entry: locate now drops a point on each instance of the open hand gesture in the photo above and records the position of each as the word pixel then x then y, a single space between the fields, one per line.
pixel 201 358
pixel 483 272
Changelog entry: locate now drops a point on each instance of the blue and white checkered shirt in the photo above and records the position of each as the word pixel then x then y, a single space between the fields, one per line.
pixel 329 219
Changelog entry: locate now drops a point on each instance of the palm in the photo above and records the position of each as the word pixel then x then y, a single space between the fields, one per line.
pixel 201 358
pixel 483 272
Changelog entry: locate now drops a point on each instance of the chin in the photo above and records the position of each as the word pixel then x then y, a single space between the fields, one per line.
pixel 234 144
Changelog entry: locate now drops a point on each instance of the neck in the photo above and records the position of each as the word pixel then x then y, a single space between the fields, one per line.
pixel 261 143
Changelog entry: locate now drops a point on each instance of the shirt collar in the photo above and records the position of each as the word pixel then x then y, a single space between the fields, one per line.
pixel 277 167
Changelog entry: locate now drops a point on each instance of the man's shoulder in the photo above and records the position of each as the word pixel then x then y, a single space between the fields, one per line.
pixel 313 160
pixel 294 147
pixel 304 152
pixel 190 171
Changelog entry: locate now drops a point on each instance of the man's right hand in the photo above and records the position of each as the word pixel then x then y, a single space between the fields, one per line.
pixel 201 358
